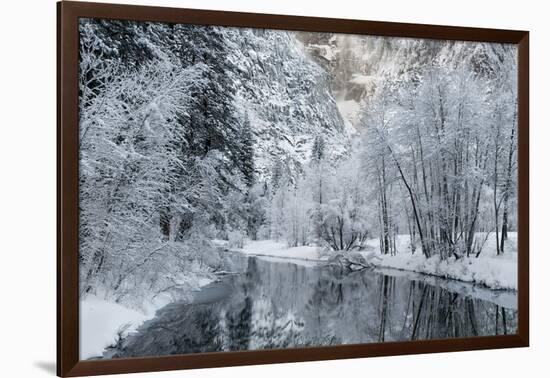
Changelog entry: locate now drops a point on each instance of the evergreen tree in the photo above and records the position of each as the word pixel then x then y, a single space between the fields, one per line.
pixel 318 149
pixel 276 173
pixel 246 152
pixel 212 150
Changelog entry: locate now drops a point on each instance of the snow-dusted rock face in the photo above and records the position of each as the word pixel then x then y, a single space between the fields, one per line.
pixel 272 80
pixel 287 97
pixel 359 65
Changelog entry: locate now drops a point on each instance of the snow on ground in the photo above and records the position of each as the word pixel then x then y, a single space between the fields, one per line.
pixel 271 248
pixel 291 260
pixel 495 272
pixel 103 322
pixel 490 270
pixel 100 322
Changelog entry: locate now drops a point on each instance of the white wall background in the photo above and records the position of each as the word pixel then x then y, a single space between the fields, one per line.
pixel 27 186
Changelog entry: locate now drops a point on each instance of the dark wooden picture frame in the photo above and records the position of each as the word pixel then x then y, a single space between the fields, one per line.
pixel 68 14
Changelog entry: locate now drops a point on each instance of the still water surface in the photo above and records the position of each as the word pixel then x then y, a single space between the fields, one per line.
pixel 281 304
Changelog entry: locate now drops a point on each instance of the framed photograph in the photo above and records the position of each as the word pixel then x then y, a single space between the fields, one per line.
pixel 239 188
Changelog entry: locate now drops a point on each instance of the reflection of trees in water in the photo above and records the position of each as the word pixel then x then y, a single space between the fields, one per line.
pixel 277 305
pixel 176 330
pixel 387 283
pixel 253 319
pixel 500 327
pixel 275 328
pixel 238 314
pixel 324 305
pixel 368 307
pixel 437 313
pixel 239 326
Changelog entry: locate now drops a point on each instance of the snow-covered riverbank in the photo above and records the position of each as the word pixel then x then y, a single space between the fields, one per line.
pixel 490 270
pixel 103 321
pixel 271 248
pixel 495 272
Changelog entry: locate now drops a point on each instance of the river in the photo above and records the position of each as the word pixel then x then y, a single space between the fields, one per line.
pixel 284 304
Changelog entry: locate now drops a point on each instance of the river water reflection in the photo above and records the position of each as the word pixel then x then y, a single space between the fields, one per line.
pixel 278 304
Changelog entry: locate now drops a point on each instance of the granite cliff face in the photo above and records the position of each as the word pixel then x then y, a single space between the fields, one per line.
pixel 360 65
pixel 287 97
pixel 262 77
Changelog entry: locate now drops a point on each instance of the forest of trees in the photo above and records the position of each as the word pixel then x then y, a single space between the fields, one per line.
pixel 435 160
pixel 169 161
pixel 166 163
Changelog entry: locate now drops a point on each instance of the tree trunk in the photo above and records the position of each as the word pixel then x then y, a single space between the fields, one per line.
pixel 507 188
